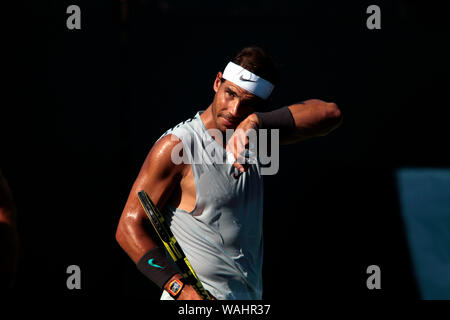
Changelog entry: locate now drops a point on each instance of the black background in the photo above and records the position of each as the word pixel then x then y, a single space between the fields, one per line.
pixel 83 107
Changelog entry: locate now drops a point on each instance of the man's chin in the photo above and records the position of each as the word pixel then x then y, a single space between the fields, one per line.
pixel 225 128
pixel 227 125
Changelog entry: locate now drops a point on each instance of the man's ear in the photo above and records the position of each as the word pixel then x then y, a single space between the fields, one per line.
pixel 218 81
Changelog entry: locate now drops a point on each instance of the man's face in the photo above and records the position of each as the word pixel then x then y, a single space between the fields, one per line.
pixel 232 104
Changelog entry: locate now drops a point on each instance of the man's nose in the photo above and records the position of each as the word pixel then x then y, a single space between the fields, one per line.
pixel 235 108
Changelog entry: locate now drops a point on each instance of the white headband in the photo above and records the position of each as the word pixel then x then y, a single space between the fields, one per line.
pixel 247 80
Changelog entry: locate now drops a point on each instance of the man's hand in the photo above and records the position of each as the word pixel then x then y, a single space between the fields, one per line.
pixel 238 144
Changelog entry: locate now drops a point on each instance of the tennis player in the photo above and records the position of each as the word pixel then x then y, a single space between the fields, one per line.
pixel 215 209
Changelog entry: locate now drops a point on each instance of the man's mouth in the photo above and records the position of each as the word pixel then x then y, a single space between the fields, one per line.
pixel 229 123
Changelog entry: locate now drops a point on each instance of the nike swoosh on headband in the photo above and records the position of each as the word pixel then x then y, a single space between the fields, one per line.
pixel 247 80
pixel 244 79
pixel 150 262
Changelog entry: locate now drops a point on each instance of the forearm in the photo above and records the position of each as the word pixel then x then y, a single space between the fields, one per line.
pixel 132 232
pixel 301 121
pixel 133 237
pixel 150 259
pixel 314 118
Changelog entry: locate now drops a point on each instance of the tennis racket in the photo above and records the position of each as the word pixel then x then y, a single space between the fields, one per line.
pixel 171 244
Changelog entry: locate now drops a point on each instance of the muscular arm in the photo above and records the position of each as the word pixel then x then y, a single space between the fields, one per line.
pixel 312 118
pixel 158 177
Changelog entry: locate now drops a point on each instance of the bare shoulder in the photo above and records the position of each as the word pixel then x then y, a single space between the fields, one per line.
pixel 164 156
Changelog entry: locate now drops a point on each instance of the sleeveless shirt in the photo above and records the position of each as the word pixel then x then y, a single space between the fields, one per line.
pixel 222 236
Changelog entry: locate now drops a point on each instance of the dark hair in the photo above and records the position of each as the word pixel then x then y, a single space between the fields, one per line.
pixel 258 61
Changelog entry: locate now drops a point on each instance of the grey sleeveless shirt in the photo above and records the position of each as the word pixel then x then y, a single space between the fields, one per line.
pixel 222 235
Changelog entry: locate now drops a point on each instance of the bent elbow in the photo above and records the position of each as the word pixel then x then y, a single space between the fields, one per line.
pixel 334 116
pixel 334 113
pixel 120 234
pixel 331 118
pixel 122 231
